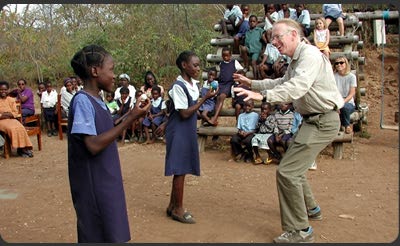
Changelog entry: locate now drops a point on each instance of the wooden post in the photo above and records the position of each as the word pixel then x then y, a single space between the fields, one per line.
pixel 337 150
pixel 201 140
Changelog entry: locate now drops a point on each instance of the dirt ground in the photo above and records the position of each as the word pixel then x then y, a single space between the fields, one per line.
pixel 232 202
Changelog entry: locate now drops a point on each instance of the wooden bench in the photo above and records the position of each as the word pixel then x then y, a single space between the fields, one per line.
pixel 204 132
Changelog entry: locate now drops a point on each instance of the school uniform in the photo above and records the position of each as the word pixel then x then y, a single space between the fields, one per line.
pixel 225 80
pixel 95 180
pixel 156 107
pixel 182 153
pixel 129 103
pixel 209 104
pixel 49 101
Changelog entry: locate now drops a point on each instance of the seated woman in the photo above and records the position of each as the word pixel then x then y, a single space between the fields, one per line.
pixel 346 83
pixel 150 81
pixel 66 97
pixel 11 126
pixel 25 96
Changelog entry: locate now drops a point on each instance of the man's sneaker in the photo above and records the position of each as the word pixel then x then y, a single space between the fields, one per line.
pixel 315 213
pixel 296 236
pixel 313 166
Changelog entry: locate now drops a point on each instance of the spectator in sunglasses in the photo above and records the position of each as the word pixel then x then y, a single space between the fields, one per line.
pixel 346 83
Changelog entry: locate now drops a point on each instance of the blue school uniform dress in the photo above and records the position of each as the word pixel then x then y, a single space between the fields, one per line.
pixel 156 108
pixel 227 69
pixel 182 154
pixel 209 104
pixel 127 105
pixel 95 180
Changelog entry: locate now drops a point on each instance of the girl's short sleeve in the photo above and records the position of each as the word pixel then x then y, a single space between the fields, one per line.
pixel 179 97
pixel 84 115
pixel 163 105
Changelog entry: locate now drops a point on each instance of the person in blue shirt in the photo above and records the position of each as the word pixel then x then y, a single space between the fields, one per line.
pixel 303 18
pixel 247 123
pixel 233 15
pixel 243 24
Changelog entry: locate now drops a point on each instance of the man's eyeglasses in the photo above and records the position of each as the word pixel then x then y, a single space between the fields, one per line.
pixel 279 37
pixel 21 84
pixel 337 63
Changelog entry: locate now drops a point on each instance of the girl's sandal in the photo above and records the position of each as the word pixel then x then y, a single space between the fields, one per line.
pixel 186 218
pixel 268 161
pixel 258 161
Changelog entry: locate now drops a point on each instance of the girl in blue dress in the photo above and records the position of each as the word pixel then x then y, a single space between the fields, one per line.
pixel 208 106
pixel 93 162
pixel 155 116
pixel 182 154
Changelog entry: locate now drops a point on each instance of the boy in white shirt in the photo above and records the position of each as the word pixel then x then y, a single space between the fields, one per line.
pixel 49 101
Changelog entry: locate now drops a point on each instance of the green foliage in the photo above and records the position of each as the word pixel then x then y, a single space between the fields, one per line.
pixel 39 43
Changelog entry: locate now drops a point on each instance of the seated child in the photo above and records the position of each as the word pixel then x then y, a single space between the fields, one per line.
pixel 282 133
pixel 265 128
pixel 125 103
pixel 227 68
pixel 48 102
pixel 137 129
pixel 280 66
pixel 253 44
pixel 243 28
pixel 322 36
pixel 238 101
pixel 156 115
pixel 246 125
pixel 233 14
pixel 112 105
pixel 208 106
pixel 270 56
pixel 271 16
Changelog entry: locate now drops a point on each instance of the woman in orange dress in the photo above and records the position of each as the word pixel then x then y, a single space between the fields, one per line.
pixel 11 126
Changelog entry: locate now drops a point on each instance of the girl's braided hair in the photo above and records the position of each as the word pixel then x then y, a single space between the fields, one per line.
pixel 89 56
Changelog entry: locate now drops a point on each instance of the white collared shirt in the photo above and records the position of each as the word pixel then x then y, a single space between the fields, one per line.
pixel 178 94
